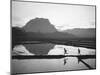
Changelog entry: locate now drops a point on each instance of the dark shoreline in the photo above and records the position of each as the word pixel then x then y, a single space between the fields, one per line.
pixel 51 56
pixel 78 43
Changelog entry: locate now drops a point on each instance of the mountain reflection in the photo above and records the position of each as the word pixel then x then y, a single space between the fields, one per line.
pixel 51 49
pixel 39 49
pixel 21 50
pixel 65 63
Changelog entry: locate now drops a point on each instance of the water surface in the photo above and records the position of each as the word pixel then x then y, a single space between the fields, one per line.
pixel 44 65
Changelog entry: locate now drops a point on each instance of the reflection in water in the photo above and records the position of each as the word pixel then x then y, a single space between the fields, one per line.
pixel 20 50
pixel 65 60
pixel 44 65
pixel 39 49
pixel 85 63
pixel 70 50
pixel 51 49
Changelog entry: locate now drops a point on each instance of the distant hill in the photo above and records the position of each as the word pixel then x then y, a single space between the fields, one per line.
pixel 60 35
pixel 82 33
pixel 40 25
pixel 42 28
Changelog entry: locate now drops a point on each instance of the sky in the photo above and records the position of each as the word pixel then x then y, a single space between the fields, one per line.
pixel 63 17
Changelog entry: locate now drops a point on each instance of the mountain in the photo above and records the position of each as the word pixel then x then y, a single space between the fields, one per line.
pixel 42 28
pixel 39 25
pixel 82 33
pixel 18 34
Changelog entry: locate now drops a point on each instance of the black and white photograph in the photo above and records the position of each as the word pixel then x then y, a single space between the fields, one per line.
pixel 52 37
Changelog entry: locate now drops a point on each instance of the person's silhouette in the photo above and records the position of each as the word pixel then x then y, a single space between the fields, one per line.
pixel 78 51
pixel 65 51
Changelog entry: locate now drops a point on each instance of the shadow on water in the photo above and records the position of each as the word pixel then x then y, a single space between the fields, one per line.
pixel 40 51
pixel 80 60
